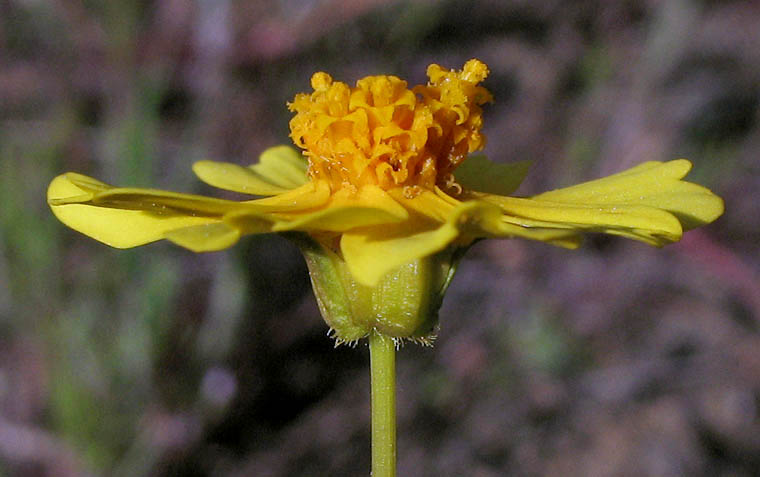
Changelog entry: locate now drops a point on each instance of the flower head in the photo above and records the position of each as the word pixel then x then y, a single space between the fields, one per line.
pixel 387 187
pixel 385 134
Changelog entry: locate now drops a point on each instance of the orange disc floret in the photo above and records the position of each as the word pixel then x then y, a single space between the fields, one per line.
pixel 383 133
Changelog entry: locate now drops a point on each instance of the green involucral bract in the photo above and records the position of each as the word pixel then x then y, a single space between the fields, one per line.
pixel 403 305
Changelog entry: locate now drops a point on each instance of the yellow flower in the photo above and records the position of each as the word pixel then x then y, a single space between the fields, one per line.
pixel 386 178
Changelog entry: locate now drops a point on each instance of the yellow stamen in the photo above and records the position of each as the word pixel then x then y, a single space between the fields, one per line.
pixel 383 133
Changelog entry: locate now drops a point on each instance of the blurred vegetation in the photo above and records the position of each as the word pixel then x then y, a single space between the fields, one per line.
pixel 613 360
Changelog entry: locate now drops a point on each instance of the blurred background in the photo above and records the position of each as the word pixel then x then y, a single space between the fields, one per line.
pixel 613 360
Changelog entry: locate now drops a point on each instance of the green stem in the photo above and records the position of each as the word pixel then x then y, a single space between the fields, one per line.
pixel 382 357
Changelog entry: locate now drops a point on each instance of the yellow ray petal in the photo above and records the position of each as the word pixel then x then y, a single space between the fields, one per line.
pixel 346 210
pixel 480 174
pixel 483 221
pixel 653 184
pixel 228 176
pixel 370 256
pixel 97 193
pixel 558 237
pixel 648 203
pixel 115 227
pixel 488 222
pixel 308 196
pixel 279 169
pixel 283 166
pixel 372 252
pixel 436 206
pixel 648 224
pixel 204 238
pixel 220 235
